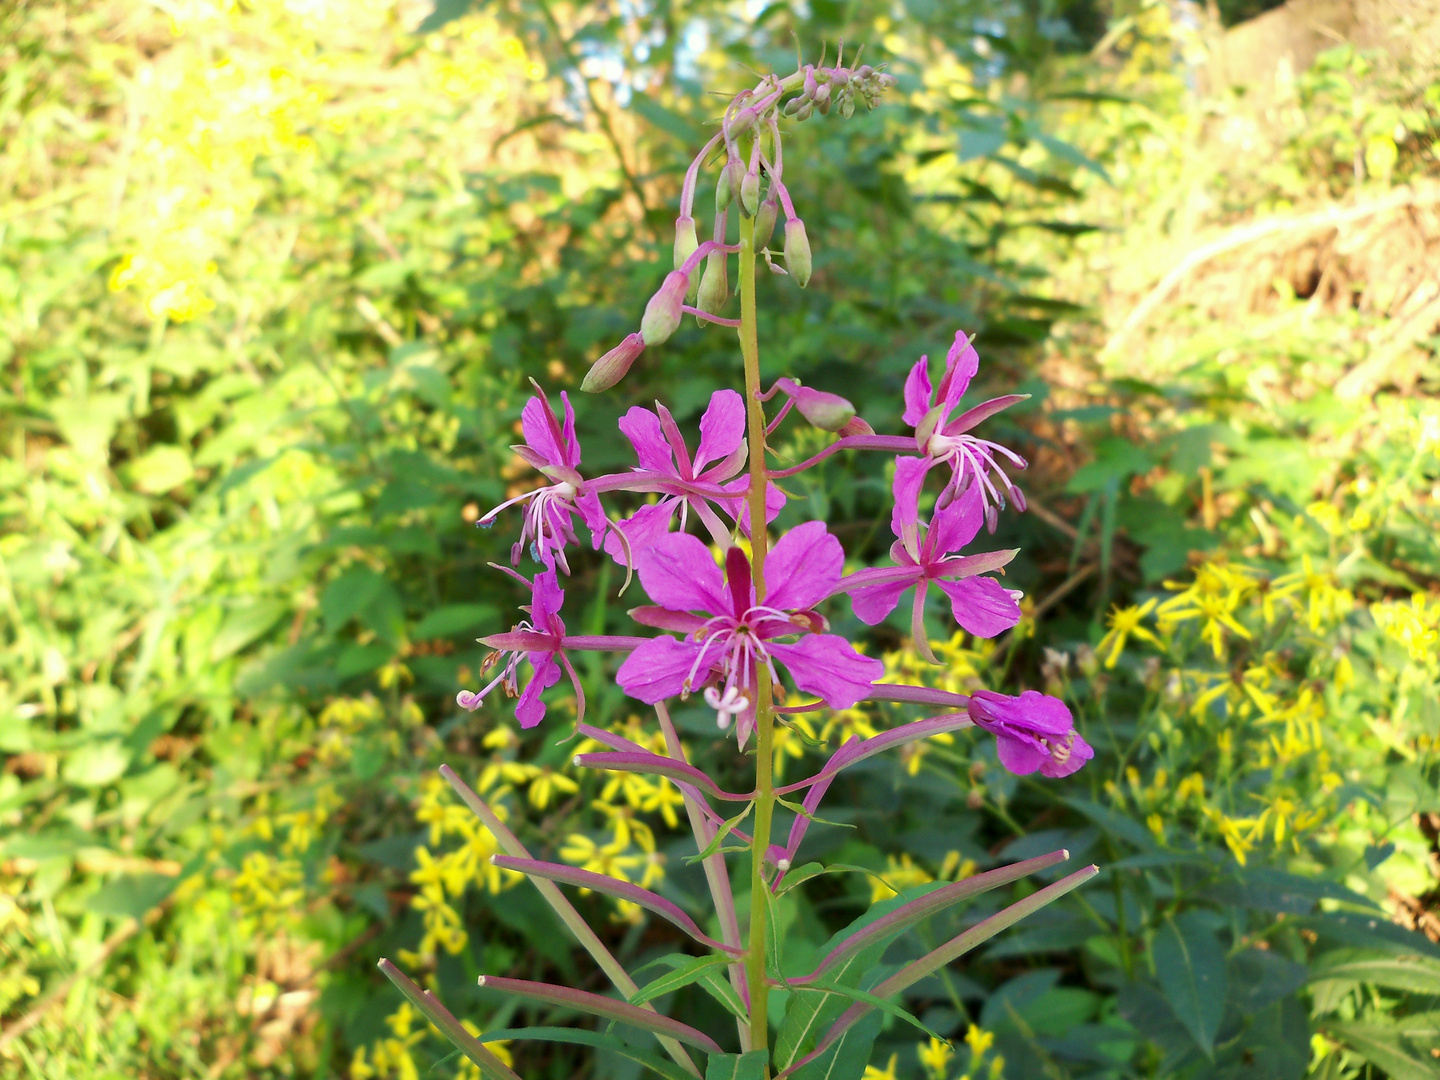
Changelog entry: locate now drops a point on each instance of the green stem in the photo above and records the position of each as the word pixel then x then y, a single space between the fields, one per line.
pixel 764 715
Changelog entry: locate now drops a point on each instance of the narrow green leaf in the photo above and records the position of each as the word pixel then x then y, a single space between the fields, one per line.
pixel 881 1003
pixel 1190 964
pixel 720 834
pixel 749 1066
pixel 693 970
pixel 1379 1046
pixel 1418 974
pixel 599 1040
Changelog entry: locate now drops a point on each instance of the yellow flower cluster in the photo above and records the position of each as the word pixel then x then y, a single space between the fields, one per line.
pixel 936 1055
pixel 445 877
pixel 267 887
pixel 902 873
pixel 1414 625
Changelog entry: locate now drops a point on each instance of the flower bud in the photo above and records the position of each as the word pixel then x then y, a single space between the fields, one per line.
pixel 793 105
pixel 714 284
pixel 722 191
pixel 742 123
pixel 750 192
pixel 822 99
pixel 847 107
pixel 797 251
pixel 765 220
pixel 611 368
pixel 736 170
pixel 662 313
pixel 828 412
pixel 804 112
pixel 856 426
pixel 685 240
pixel 810 84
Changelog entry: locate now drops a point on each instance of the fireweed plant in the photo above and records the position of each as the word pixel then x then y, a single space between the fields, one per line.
pixel 741 627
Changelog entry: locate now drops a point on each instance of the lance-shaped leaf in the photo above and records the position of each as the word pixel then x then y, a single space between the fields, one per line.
pixel 562 907
pixel 749 1066
pixel 693 969
pixel 655 765
pixel 598 1005
pixel 891 925
pixel 598 1039
pixel 857 750
pixel 957 946
pixel 609 886
pixel 429 1006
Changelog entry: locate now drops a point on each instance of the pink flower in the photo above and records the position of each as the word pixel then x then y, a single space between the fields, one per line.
pixel 688 484
pixel 726 648
pixel 943 440
pixel 555 451
pixel 981 605
pixel 540 641
pixel 1033 732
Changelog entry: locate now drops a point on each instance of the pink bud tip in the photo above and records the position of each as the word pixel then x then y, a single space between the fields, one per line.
pixel 662 314
pixel 611 368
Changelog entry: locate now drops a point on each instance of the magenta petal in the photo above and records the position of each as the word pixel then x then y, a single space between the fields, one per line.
pixel 647 525
pixel 545 602
pixel 739 509
pixel 530 710
pixel 593 514
pixel 642 428
pixel 721 428
pixel 679 572
pixel 873 603
pixel 905 514
pixel 1019 756
pixel 803 568
pixel 570 445
pixel 956 525
pixel 827 666
pixel 542 431
pixel 1032 711
pixel 1080 753
pixel 981 605
pixel 917 392
pixel 961 365
pixel 658 669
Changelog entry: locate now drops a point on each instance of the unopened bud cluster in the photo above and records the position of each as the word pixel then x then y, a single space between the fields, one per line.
pixel 749 178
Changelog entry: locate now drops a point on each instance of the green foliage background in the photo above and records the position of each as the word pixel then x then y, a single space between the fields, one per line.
pixel 271 286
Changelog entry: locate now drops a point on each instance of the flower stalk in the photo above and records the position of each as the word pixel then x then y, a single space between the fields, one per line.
pixel 764 715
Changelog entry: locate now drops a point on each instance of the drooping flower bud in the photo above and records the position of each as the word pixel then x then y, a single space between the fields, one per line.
pixel 735 174
pixel 794 104
pixel 714 284
pixel 743 122
pixel 828 412
pixel 856 426
pixel 723 191
pixel 797 252
pixel 611 368
pixel 765 220
pixel 685 240
pixel 822 99
pixel 750 192
pixel 662 313
pixel 811 86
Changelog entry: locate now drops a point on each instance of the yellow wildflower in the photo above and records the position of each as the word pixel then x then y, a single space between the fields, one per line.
pixel 935 1056
pixel 1124 622
pixel 887 1073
